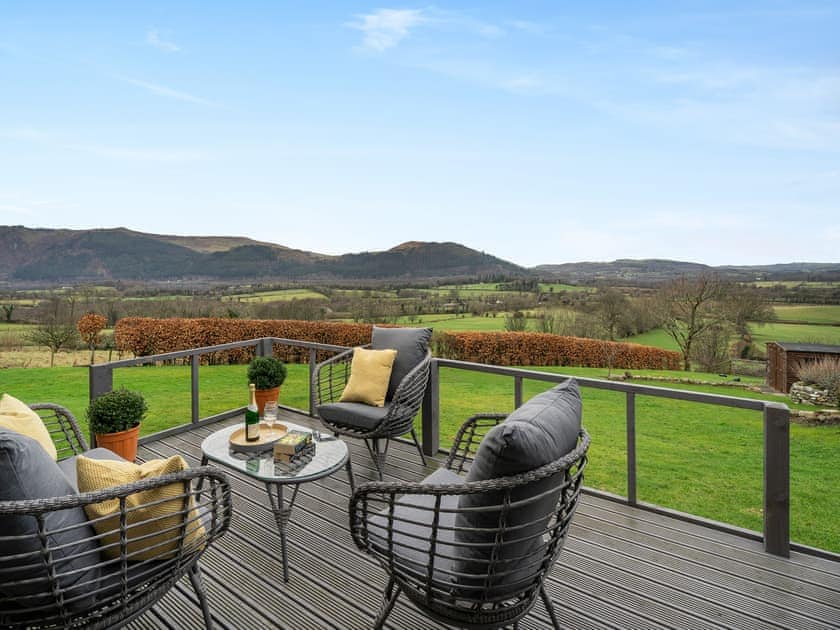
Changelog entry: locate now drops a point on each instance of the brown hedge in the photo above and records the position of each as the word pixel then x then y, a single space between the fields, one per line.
pixel 523 348
pixel 146 336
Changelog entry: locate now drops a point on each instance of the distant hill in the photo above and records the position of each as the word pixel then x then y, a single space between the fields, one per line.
pixel 651 271
pixel 55 256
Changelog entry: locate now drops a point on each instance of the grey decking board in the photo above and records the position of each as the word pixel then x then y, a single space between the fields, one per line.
pixel 722 558
pixel 736 593
pixel 614 572
pixel 677 530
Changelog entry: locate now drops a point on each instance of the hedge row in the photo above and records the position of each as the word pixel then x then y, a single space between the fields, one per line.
pixel 146 336
pixel 522 348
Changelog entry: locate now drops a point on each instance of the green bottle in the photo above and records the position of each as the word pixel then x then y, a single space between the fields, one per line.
pixel 252 417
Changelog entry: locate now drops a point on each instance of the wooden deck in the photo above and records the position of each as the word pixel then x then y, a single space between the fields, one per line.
pixel 621 568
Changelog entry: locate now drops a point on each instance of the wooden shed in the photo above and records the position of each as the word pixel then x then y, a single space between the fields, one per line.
pixel 783 359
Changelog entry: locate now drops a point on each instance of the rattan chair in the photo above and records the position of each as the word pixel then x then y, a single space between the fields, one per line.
pixel 470 554
pixel 375 425
pixel 53 570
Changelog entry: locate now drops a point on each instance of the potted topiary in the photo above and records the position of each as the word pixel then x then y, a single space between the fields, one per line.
pixel 114 418
pixel 267 374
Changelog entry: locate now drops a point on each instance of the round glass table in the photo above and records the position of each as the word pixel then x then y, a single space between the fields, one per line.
pixel 330 455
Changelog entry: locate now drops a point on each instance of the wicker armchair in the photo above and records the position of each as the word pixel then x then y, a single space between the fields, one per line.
pixel 54 572
pixel 470 554
pixel 374 425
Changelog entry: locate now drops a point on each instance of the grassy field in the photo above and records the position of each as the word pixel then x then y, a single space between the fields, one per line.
pixel 811 313
pixel 696 458
pixel 803 333
pixel 761 333
pixel 275 296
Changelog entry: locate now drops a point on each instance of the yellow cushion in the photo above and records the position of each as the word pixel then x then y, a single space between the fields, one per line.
pixel 17 416
pixel 370 372
pixel 167 516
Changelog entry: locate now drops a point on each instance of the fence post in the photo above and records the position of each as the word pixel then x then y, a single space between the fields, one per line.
pixel 517 392
pixel 100 381
pixel 194 361
pixel 430 412
pixel 777 479
pixel 631 447
pixel 313 360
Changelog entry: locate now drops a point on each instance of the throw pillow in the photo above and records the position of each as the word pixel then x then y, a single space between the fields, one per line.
pixel 370 372
pixel 17 416
pixel 153 517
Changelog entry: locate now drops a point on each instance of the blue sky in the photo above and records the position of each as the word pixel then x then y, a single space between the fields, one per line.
pixel 541 132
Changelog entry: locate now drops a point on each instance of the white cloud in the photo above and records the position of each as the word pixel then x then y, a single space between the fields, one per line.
pixel 169 92
pixel 385 28
pixel 153 39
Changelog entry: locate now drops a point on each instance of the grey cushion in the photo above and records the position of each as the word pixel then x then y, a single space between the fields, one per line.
pixel 68 465
pixel 413 515
pixel 356 415
pixel 411 345
pixel 28 472
pixel 543 430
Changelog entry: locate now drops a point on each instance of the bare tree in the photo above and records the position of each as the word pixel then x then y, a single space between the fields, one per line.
pixel 57 329
pixel 8 309
pixel 611 308
pixel 690 306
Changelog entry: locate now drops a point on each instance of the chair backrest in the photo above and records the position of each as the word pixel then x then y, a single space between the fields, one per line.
pixel 411 345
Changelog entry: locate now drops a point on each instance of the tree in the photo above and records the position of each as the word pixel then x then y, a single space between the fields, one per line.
pixel 611 307
pixel 57 329
pixel 90 326
pixel 688 307
pixel 8 309
pixel 516 322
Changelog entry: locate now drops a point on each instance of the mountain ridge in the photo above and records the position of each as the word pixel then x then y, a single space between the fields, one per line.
pixel 109 254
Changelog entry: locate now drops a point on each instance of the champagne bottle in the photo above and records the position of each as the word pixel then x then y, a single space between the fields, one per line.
pixel 252 417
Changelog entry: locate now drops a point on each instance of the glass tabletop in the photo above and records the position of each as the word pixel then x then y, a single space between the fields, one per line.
pixel 330 455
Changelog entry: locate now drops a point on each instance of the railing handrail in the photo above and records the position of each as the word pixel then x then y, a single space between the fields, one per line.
pixel 617 386
pixel 179 354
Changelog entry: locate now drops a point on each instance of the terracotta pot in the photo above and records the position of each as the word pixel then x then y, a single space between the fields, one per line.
pixel 264 395
pixel 123 443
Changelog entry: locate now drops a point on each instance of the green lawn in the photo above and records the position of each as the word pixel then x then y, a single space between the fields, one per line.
pixel 802 333
pixel 657 338
pixel 811 313
pixel 280 295
pixel 696 458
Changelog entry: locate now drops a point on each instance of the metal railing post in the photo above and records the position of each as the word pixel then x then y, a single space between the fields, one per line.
pixel 100 381
pixel 313 360
pixel 265 347
pixel 194 361
pixel 430 411
pixel 777 479
pixel 517 392
pixel 631 447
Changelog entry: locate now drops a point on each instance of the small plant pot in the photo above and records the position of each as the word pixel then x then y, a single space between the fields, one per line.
pixel 264 395
pixel 123 443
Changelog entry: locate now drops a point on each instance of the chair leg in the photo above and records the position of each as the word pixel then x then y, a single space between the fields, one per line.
pixel 549 607
pixel 417 444
pixel 377 454
pixel 198 586
pixel 388 602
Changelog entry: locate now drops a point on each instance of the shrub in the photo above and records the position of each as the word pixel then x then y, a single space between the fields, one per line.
pixel 266 372
pixel 823 372
pixel 505 348
pixel 116 411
